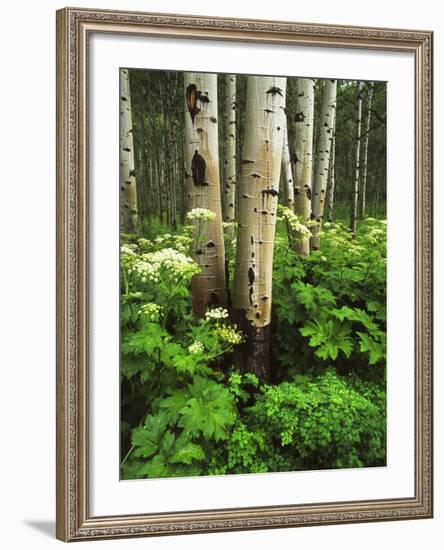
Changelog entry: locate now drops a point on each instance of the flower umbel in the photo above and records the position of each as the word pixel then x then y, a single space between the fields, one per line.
pixel 229 334
pixel 196 347
pixel 150 312
pixel 175 264
pixel 216 313
pixel 201 214
pixel 295 223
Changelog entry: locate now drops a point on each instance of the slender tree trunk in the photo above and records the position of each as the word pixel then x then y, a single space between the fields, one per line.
pixel 303 155
pixel 128 190
pixel 145 165
pixel 158 175
pixel 323 159
pixel 229 181
pixel 377 184
pixel 287 176
pixel 203 188
pixel 141 185
pixel 376 208
pixel 355 192
pixel 166 148
pixel 331 178
pixel 155 205
pixel 183 182
pixel 365 155
pixel 258 196
pixel 347 162
pixel 174 176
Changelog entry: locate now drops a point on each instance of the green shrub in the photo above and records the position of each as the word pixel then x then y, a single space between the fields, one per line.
pixel 330 307
pixel 309 423
pixel 186 411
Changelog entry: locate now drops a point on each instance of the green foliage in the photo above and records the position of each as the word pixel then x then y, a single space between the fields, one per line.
pixel 310 422
pixel 208 410
pixel 169 363
pixel 323 422
pixel 169 454
pixel 329 308
pixel 329 337
pixel 187 411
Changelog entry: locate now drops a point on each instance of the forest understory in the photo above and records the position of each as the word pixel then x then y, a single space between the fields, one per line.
pixel 253 277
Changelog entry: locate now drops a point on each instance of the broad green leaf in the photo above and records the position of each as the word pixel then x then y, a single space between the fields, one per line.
pixel 210 411
pixel 147 438
pixel 187 453
pixel 173 404
pixel 145 442
pixel 375 349
pixel 156 467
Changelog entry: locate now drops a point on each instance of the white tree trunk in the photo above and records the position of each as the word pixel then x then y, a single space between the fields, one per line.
pixel 203 188
pixel 303 155
pixel 287 176
pixel 323 159
pixel 331 181
pixel 258 196
pixel 366 139
pixel 229 179
pixel 127 176
pixel 355 192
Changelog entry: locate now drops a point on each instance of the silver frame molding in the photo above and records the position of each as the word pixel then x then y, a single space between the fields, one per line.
pixel 73 519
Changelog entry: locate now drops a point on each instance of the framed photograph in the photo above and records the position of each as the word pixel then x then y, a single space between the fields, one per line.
pixel 244 274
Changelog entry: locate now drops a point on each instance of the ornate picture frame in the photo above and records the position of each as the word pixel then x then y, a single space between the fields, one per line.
pixel 74 519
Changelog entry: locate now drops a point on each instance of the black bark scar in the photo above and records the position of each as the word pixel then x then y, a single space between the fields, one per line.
pixel 251 275
pixel 192 95
pixel 198 168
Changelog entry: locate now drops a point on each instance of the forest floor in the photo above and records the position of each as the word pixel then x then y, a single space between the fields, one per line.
pixel 182 397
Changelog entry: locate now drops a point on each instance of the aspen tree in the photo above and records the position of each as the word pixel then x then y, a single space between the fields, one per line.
pixel 303 155
pixel 331 178
pixel 286 172
pixel 365 155
pixel 229 179
pixel 203 189
pixel 258 196
pixel 323 150
pixel 127 174
pixel 355 192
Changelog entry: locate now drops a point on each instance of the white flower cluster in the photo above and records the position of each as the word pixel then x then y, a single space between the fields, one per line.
pixel 150 311
pixel 196 347
pixel 229 334
pixel 128 249
pixel 144 245
pixel 180 243
pixel 376 232
pixel 127 255
pixel 183 246
pixel 375 236
pixel 201 214
pixel 227 225
pixel 175 263
pixel 295 223
pixel 146 271
pixel 162 239
pixel 216 313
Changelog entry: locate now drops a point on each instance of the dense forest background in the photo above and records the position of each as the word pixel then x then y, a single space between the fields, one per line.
pixel 253 274
pixel 158 128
